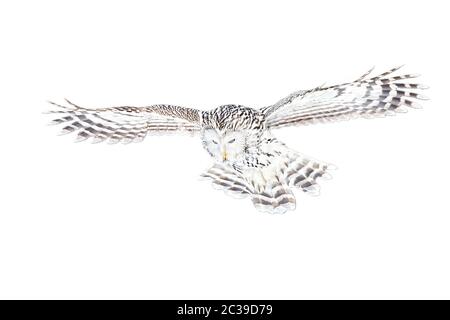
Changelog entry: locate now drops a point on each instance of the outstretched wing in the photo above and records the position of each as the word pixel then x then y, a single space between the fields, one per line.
pixel 365 97
pixel 124 124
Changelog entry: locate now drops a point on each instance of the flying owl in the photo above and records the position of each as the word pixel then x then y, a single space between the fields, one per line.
pixel 248 159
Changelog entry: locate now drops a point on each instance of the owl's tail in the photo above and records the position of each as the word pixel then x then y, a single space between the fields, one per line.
pixel 228 180
pixel 302 172
pixel 277 197
pixel 295 170
pixel 270 189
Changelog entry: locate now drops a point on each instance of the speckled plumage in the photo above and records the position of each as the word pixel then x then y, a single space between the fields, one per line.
pixel 248 159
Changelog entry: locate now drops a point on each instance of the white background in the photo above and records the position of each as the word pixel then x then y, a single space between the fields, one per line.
pixel 134 221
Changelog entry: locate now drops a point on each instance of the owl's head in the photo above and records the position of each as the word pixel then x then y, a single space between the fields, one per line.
pixel 224 145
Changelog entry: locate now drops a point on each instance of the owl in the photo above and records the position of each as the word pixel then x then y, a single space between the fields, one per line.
pixel 248 159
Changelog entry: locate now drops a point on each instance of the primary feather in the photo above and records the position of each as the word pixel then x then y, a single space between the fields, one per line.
pixel 124 124
pixel 364 97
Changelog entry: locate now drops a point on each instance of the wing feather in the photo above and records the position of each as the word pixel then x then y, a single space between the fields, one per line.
pixel 124 124
pixel 365 97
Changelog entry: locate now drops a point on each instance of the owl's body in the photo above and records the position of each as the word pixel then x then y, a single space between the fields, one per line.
pixel 264 168
pixel 248 159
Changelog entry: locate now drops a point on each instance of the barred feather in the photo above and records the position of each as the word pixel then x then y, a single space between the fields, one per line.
pixel 365 97
pixel 124 124
pixel 302 172
pixel 228 180
pixel 277 197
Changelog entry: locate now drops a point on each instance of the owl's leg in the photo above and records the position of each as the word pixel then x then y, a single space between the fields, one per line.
pixel 256 178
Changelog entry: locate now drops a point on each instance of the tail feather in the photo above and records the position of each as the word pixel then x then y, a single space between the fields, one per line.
pixel 271 190
pixel 226 179
pixel 276 198
pixel 302 172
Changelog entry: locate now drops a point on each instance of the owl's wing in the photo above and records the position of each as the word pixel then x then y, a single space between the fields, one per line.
pixel 124 124
pixel 366 97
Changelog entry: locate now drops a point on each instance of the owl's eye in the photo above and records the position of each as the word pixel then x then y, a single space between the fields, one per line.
pixel 214 141
pixel 232 140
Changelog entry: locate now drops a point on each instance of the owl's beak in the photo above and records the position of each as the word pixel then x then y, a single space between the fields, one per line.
pixel 224 156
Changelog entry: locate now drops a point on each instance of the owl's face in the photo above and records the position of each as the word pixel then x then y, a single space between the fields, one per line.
pixel 224 146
